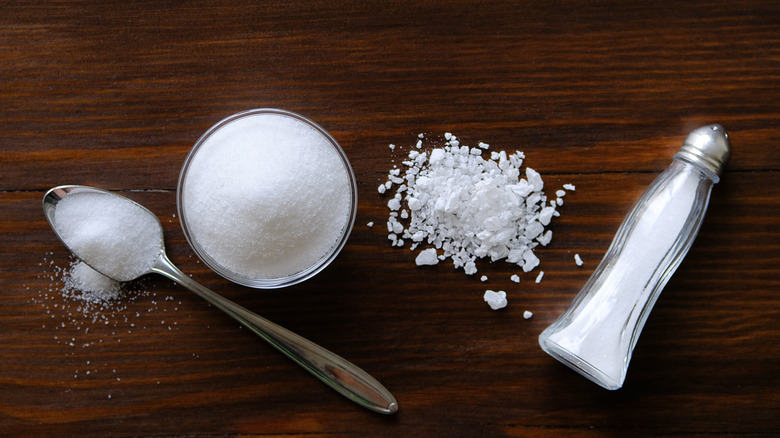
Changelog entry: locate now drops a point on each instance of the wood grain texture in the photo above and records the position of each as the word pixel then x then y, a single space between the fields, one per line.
pixel 598 94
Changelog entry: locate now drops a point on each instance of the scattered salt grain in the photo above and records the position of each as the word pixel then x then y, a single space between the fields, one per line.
pixel 87 309
pixel 515 278
pixel 370 224
pixel 496 300
pixel 484 278
pixel 577 259
pixel 539 277
pixel 527 314
pixel 569 187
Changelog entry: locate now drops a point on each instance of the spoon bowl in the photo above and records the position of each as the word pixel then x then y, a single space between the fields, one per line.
pixel 105 227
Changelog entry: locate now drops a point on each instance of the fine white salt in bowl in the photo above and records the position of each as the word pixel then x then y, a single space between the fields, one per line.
pixel 267 198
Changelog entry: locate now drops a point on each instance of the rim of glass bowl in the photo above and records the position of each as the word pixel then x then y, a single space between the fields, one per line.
pixel 267 283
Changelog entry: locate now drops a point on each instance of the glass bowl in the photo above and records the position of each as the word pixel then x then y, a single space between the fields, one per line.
pixel 213 212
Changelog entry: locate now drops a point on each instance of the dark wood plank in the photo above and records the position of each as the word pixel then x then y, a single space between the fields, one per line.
pixel 598 94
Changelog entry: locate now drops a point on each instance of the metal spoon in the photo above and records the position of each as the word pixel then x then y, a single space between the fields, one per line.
pixel 335 371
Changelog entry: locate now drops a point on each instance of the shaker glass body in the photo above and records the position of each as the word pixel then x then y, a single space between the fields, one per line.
pixel 596 335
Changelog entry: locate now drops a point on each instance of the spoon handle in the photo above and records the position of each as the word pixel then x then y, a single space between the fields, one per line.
pixel 332 369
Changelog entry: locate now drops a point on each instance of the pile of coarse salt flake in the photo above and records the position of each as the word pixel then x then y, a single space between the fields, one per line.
pixel 466 207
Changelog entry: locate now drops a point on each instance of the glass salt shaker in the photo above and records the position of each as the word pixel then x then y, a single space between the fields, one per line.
pixel 596 335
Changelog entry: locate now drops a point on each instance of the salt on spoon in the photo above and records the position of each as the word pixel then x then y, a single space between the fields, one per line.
pixel 123 240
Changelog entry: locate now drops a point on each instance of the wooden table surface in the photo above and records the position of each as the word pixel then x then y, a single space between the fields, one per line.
pixel 597 94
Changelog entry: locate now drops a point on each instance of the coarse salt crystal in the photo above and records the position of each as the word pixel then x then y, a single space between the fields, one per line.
pixel 427 257
pixel 515 278
pixel 577 259
pixel 530 261
pixel 545 238
pixel 539 277
pixel 534 179
pixel 496 300
pixel 527 314
pixel 545 216
pixel 394 204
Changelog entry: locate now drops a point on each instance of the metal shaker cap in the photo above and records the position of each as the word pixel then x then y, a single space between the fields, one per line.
pixel 707 147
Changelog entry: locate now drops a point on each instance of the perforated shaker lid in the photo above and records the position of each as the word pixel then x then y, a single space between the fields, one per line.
pixel 708 147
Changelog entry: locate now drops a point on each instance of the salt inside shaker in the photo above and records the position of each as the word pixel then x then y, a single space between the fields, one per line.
pixel 596 335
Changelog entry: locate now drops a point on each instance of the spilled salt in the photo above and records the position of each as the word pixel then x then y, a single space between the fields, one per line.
pixel 85 312
pixel 93 286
